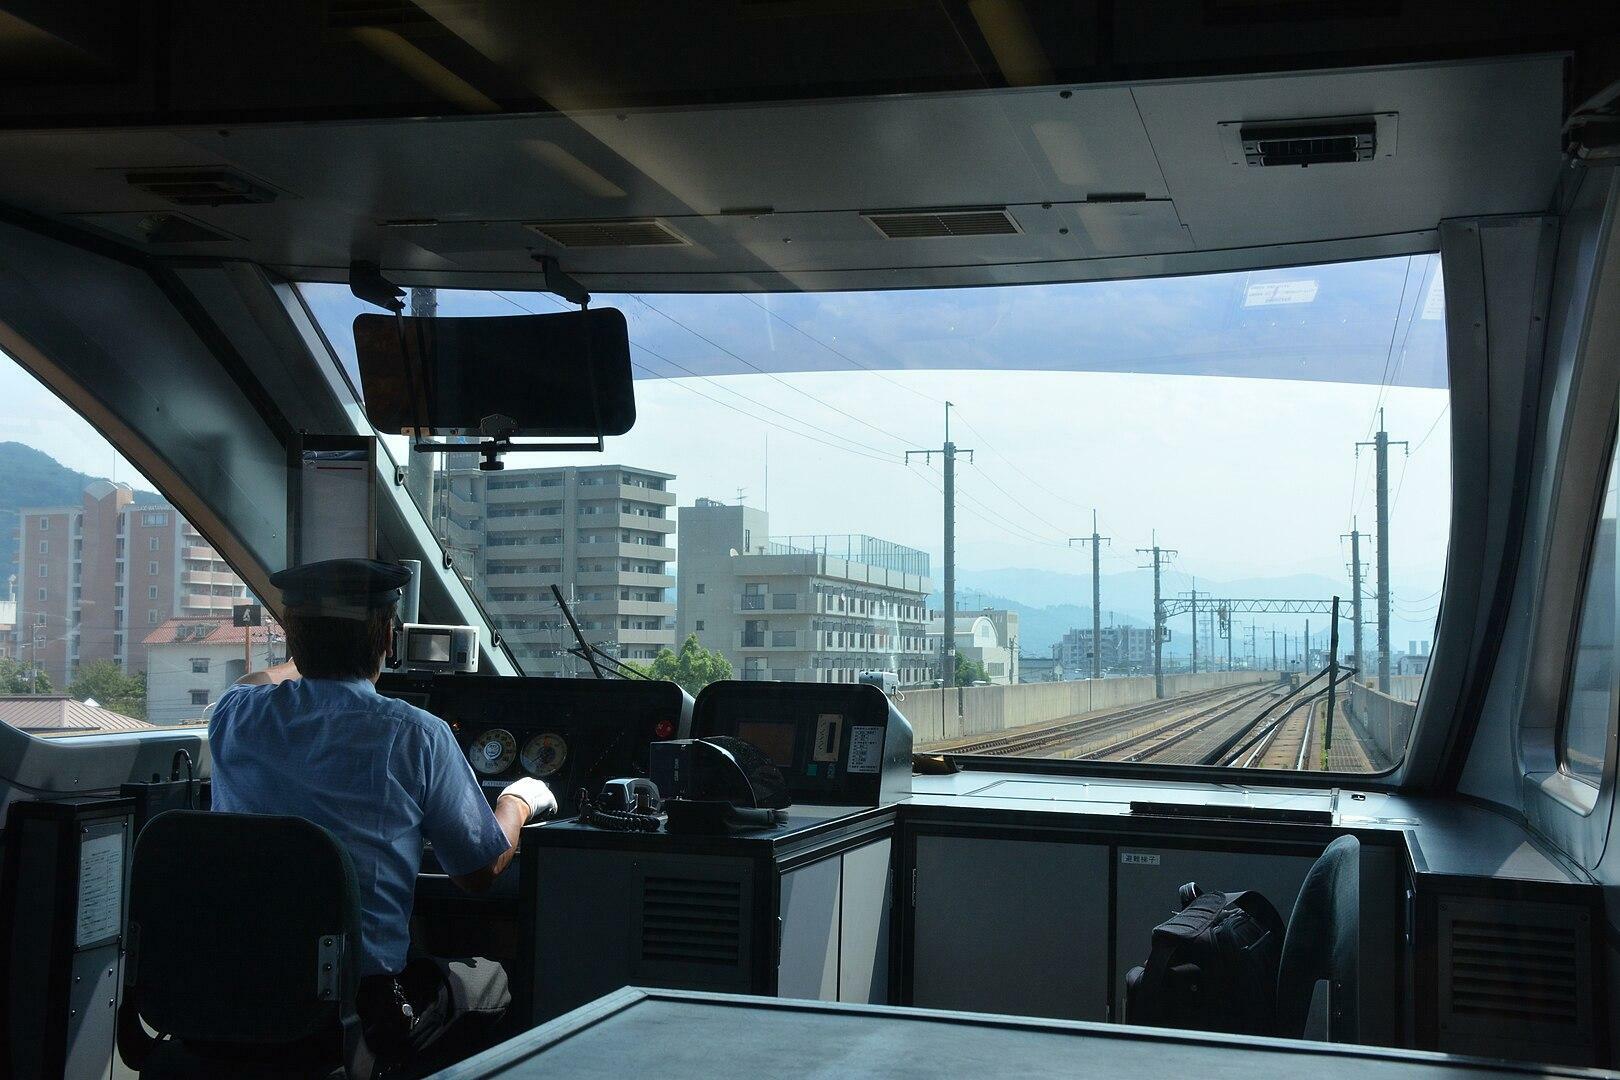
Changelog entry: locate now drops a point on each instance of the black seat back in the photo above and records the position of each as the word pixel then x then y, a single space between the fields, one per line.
pixel 244 936
pixel 1321 957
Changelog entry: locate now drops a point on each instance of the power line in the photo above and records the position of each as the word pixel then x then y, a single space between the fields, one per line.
pixel 795 327
pixel 886 433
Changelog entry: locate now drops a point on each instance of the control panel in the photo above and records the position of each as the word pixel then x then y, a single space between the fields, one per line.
pixel 837 744
pixel 571 733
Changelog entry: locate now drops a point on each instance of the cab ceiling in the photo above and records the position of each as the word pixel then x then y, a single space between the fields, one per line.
pixel 1096 180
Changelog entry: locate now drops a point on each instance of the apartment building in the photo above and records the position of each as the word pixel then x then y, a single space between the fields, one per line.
pixel 1124 649
pixel 601 534
pixel 94 579
pixel 800 608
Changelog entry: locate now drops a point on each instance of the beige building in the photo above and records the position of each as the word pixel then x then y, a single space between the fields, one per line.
pixel 802 608
pixel 94 579
pixel 990 638
pixel 602 534
pixel 191 662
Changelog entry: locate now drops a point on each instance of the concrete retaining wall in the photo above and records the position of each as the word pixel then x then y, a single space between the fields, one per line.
pixel 941 715
pixel 1383 722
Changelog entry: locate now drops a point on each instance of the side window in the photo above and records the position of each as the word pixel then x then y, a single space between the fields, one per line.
pixel 1589 716
pixel 91 638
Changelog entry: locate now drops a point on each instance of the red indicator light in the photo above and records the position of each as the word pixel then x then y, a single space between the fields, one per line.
pixel 664 729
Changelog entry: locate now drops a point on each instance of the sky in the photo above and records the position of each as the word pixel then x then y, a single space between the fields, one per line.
pixel 1218 413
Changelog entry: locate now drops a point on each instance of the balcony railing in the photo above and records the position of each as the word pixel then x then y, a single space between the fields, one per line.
pixel 753 602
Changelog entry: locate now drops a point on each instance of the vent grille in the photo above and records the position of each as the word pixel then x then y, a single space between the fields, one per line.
pixel 647 232
pixel 1267 146
pixel 693 921
pixel 1514 973
pixel 911 224
pixel 200 187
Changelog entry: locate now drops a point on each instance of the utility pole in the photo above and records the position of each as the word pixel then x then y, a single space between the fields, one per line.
pixel 1096 543
pixel 948 452
pixel 1381 444
pixel 1160 557
pixel 1305 656
pixel 1194 595
pixel 1355 597
pixel 1274 666
pixel 1226 628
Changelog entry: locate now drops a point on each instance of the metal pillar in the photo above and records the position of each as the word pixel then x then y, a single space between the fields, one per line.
pixel 1159 556
pixel 1356 659
pixel 1333 682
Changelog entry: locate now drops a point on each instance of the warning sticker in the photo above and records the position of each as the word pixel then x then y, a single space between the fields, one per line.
pixel 865 749
pixel 1138 858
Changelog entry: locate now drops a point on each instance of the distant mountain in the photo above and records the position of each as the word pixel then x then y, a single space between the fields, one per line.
pixel 30 477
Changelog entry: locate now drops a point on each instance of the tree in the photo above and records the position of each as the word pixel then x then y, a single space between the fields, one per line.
pixel 969 672
pixel 18 678
pixel 106 682
pixel 694 667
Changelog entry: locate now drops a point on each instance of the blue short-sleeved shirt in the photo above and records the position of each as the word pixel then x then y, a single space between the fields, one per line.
pixel 379 773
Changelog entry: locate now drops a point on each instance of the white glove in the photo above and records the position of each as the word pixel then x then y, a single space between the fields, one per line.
pixel 535 795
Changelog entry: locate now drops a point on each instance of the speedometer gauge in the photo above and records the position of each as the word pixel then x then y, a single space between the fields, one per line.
pixel 492 751
pixel 544 755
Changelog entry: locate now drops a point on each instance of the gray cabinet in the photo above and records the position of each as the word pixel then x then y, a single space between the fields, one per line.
pixel 1011 926
pixel 835 928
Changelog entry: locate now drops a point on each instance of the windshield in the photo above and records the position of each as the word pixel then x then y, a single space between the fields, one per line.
pixel 1161 491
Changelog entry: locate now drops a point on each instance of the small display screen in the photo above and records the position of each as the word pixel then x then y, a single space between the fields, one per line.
pixel 773 737
pixel 429 647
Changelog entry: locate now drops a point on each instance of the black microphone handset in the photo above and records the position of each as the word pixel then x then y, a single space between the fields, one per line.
pixel 718 785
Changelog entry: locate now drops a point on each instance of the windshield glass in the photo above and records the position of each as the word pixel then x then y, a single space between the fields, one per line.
pixel 1213 447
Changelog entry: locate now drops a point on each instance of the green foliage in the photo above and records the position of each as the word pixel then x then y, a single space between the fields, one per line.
pixel 106 682
pixel 15 678
pixel 694 667
pixel 969 672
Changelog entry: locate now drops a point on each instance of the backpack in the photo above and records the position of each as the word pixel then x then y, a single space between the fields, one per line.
pixel 1213 966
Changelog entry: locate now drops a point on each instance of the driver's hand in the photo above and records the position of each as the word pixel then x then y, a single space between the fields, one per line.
pixel 535 794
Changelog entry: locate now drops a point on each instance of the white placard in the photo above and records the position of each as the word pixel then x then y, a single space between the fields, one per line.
pixel 101 888
pixel 865 749
pixel 1270 293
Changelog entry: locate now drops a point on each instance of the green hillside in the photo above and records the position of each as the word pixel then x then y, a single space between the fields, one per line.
pixel 29 477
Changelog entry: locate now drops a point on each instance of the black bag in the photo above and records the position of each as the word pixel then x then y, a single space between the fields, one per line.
pixel 1213 966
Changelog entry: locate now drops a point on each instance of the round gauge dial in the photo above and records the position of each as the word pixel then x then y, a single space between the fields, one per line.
pixel 492 751
pixel 543 755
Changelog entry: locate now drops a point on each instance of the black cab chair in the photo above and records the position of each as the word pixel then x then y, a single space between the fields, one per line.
pixel 1318 978
pixel 244 934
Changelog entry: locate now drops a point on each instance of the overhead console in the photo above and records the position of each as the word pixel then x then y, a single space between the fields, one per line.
pixel 572 733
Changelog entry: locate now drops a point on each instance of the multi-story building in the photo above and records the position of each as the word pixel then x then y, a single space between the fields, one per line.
pixel 94 579
pixel 1124 649
pixel 600 533
pixel 800 608
pixel 1032 669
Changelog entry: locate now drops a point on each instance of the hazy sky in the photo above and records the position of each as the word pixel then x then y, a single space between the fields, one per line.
pixel 1221 411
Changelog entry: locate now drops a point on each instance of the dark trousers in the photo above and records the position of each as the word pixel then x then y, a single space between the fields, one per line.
pixel 458 1006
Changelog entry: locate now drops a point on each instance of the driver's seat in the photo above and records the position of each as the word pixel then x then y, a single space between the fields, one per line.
pixel 244 933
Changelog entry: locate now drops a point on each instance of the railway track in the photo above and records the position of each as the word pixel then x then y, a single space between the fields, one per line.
pixel 1176 731
pixel 1086 728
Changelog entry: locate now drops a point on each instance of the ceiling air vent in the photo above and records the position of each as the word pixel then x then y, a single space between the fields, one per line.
pixel 691 921
pixel 1309 143
pixel 640 232
pixel 910 224
pixel 1515 971
pixel 200 187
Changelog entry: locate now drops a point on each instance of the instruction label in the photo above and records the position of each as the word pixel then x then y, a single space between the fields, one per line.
pixel 865 749
pixel 101 888
pixel 1138 858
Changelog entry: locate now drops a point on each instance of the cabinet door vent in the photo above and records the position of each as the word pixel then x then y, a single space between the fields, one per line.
pixel 1515 979
pixel 912 224
pixel 1513 973
pixel 691 920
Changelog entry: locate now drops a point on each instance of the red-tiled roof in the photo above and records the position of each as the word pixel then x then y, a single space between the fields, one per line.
pixel 58 714
pixel 210 631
